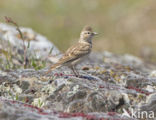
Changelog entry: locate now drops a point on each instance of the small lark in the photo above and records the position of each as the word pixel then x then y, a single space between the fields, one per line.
pixel 76 53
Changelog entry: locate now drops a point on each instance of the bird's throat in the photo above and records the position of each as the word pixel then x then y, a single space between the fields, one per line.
pixel 85 41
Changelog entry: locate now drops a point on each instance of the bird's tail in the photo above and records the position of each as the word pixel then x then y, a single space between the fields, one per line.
pixel 54 66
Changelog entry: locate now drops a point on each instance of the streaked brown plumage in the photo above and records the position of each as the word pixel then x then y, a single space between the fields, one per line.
pixel 77 52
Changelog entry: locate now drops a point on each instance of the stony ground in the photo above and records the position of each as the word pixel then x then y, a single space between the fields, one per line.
pixel 110 86
pixel 105 88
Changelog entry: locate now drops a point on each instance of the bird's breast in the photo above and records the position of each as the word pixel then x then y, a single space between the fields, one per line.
pixel 79 60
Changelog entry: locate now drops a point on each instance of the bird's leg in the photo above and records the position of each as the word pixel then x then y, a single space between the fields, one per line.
pixel 74 71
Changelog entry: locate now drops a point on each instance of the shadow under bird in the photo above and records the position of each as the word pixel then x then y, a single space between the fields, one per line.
pixel 76 53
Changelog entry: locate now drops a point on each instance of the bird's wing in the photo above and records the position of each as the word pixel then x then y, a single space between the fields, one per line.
pixel 75 52
pixel 72 54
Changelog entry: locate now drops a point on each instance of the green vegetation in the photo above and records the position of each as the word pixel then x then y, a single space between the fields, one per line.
pixel 11 59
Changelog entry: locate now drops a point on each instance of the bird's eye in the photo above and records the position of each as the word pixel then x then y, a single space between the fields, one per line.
pixel 87 33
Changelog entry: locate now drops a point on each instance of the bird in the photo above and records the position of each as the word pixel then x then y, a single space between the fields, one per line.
pixel 76 53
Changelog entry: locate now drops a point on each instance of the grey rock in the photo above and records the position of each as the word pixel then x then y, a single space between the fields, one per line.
pixel 109 85
pixel 39 44
pixel 24 85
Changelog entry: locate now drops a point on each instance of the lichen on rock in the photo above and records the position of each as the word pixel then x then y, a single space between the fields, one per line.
pixel 109 85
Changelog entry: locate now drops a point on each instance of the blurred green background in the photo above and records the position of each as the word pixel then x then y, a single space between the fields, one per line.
pixel 124 26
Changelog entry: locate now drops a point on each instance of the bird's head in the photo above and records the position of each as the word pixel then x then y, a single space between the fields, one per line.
pixel 87 34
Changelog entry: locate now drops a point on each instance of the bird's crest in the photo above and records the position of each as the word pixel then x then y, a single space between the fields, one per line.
pixel 87 28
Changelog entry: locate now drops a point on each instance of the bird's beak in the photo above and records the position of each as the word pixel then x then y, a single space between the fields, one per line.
pixel 94 33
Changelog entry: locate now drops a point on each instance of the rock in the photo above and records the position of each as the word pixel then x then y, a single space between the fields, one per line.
pixel 111 86
pixel 153 73
pixel 22 111
pixel 26 98
pixel 25 85
pixel 103 88
pixel 38 44
pixel 150 104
